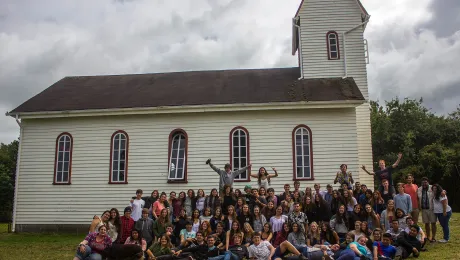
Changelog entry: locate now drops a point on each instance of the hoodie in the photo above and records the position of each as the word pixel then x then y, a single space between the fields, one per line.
pixel 145 226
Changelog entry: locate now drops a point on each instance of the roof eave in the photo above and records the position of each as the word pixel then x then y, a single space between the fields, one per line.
pixel 191 109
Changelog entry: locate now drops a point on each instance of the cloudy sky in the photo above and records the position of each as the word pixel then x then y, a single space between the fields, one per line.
pixel 414 44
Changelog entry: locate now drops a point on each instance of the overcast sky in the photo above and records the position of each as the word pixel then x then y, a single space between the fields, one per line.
pixel 414 44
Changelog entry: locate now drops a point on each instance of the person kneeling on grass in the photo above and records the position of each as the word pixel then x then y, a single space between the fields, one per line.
pixel 408 244
pixel 263 250
pixel 93 245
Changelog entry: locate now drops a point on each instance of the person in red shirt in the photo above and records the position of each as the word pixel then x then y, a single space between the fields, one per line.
pixel 411 188
pixel 127 225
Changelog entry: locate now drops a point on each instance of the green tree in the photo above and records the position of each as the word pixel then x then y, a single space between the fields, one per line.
pixel 8 158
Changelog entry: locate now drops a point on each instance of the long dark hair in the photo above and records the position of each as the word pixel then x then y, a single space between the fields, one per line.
pixel 139 236
pixel 259 176
pixel 342 218
pixel 117 221
pixel 437 195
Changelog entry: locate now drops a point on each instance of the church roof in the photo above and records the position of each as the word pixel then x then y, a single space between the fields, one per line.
pixel 188 89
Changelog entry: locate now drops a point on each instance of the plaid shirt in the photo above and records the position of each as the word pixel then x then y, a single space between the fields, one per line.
pixel 126 227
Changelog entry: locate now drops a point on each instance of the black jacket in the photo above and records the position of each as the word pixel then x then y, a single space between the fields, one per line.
pixel 202 252
pixel 408 242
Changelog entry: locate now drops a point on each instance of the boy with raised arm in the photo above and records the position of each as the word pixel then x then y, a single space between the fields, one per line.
pixel 384 172
pixel 227 176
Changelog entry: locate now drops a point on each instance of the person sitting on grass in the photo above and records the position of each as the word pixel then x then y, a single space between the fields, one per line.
pixel 136 239
pixel 160 250
pixel 203 250
pixel 408 244
pixel 235 252
pixel 420 236
pixel 383 249
pixel 99 221
pixel 263 250
pixel 93 245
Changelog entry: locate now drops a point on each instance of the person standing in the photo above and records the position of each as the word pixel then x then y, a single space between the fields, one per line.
pixel 344 177
pixel 402 200
pixel 442 210
pixel 127 225
pixel 411 188
pixel 137 205
pixel 227 176
pixel 299 218
pixel 425 200
pixel 384 172
pixel 263 177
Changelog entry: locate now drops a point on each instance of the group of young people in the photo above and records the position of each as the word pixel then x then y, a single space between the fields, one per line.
pixel 351 222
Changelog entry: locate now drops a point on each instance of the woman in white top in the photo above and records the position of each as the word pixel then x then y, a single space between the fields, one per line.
pixel 263 177
pixel 442 210
pixel 278 220
pixel 350 200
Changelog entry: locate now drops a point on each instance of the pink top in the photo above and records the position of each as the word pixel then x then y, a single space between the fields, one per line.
pixel 134 242
pixel 158 207
pixel 411 189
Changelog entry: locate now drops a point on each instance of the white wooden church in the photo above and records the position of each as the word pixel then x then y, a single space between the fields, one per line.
pixel 88 142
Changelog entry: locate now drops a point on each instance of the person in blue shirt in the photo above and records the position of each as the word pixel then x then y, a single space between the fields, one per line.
pixel 383 249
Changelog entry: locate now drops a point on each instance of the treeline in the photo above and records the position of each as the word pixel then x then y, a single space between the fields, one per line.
pixel 430 145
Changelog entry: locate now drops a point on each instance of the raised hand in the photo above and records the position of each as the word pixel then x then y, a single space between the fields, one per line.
pixel 363 167
pixel 208 161
pixel 273 168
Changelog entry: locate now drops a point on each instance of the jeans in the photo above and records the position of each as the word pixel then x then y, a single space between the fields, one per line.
pixel 444 221
pixel 228 256
pixel 87 255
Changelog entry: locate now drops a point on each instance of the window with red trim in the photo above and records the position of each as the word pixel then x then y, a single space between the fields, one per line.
pixel 302 153
pixel 119 158
pixel 178 144
pixel 333 50
pixel 239 151
pixel 63 159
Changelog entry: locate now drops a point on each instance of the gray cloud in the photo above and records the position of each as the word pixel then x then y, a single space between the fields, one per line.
pixel 446 17
pixel 412 54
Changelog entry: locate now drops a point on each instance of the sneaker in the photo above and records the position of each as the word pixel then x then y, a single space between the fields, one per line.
pixel 442 241
pixel 302 257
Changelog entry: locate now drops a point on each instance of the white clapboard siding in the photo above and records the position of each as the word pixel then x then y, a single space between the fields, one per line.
pixel 40 202
pixel 317 17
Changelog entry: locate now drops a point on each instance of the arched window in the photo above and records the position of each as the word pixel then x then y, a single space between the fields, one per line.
pixel 239 151
pixel 178 144
pixel 119 146
pixel 302 153
pixel 63 159
pixel 333 51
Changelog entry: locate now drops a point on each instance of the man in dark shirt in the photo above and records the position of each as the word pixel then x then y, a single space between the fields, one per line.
pixel 203 250
pixel 287 190
pixel 384 172
pixel 408 244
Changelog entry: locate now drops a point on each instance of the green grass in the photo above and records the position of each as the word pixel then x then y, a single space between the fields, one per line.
pixel 62 246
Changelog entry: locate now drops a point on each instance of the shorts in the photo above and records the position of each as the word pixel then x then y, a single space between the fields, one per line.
pixel 277 253
pixel 428 216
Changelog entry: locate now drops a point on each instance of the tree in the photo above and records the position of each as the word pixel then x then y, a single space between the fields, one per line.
pixel 8 158
pixel 429 143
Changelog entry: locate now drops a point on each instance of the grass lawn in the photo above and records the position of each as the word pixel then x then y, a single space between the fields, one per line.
pixel 54 246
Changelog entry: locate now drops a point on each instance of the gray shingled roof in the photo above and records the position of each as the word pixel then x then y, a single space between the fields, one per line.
pixel 188 88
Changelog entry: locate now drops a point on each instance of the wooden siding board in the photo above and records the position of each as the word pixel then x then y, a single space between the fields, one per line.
pixel 334 142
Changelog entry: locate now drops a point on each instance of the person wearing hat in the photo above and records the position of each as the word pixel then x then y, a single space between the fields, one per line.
pixel 227 176
pixel 127 224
